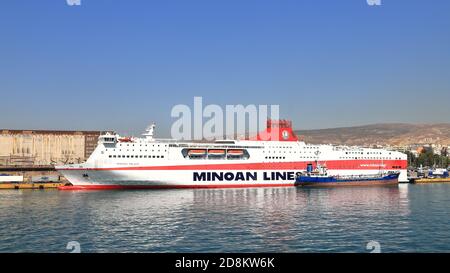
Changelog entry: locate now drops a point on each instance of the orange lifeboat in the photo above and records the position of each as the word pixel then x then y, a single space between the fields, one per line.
pixel 197 152
pixel 236 152
pixel 125 139
pixel 216 152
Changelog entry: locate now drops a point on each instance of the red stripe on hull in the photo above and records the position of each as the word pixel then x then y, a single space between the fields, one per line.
pixel 331 165
pixel 154 187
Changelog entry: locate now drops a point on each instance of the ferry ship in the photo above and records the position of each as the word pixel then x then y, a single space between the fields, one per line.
pixel 272 158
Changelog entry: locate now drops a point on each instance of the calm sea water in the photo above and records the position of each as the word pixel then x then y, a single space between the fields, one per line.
pixel 407 218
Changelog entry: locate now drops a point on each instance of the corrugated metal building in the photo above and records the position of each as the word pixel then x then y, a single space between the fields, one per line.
pixel 39 147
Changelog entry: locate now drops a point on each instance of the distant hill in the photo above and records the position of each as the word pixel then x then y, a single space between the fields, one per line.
pixel 381 134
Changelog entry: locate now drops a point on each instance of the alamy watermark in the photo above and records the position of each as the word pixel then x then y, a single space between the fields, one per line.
pixel 74 246
pixel 73 2
pixel 374 2
pixel 374 246
pixel 234 121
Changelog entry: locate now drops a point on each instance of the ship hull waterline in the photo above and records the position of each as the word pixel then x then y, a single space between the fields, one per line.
pixel 110 180
pixel 115 180
pixel 338 184
pixel 332 182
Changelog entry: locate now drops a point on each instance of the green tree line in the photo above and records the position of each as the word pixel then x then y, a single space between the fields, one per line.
pixel 428 159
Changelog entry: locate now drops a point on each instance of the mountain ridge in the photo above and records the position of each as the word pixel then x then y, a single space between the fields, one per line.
pixel 393 134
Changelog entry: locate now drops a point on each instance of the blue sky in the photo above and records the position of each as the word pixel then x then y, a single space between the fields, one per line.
pixel 116 64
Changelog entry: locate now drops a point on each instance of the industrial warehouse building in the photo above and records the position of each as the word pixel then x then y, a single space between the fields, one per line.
pixel 44 148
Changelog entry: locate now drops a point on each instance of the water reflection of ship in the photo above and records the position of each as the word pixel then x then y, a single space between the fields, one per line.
pixel 365 199
pixel 151 220
pixel 255 219
pixel 281 218
pixel 135 207
pixel 254 197
pixel 266 214
pixel 158 200
pixel 287 198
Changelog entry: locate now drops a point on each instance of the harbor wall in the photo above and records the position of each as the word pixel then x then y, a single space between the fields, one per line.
pixel 34 176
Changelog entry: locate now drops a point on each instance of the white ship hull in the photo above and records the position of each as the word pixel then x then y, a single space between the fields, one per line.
pixel 141 179
pixel 168 179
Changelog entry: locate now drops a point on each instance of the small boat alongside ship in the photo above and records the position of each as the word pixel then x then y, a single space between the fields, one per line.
pixel 320 178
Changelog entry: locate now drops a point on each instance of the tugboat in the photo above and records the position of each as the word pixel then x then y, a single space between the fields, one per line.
pixel 320 178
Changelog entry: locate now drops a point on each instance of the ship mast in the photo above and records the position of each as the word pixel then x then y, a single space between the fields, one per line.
pixel 149 132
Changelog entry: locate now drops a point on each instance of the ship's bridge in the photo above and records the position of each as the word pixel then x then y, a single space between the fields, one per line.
pixel 107 138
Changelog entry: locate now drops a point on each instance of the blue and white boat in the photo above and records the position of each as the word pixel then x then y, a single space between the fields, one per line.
pixel 319 177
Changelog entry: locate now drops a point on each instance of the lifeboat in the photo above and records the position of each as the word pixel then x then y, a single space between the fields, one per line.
pixel 197 152
pixel 236 152
pixel 216 152
pixel 125 139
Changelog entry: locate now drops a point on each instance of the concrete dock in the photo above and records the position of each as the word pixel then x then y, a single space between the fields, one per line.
pixel 29 173
pixel 29 186
pixel 432 180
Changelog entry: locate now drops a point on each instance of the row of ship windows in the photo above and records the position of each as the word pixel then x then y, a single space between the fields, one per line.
pixel 136 150
pixel 275 157
pixel 136 156
pixel 311 157
pixel 369 153
pixel 283 157
pixel 291 147
pixel 291 152
pixel 312 152
pixel 141 145
pixel 376 158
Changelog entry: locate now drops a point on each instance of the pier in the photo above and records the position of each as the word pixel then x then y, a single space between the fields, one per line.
pixel 31 177
pixel 29 186
pixel 431 180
